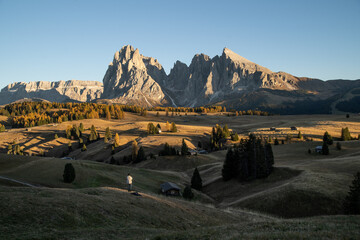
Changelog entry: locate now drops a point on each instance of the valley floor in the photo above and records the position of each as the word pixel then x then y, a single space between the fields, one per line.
pixel 302 198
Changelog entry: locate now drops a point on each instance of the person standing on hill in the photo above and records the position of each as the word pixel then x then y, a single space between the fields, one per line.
pixel 129 181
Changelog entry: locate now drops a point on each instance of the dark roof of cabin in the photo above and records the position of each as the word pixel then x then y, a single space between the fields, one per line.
pixel 168 186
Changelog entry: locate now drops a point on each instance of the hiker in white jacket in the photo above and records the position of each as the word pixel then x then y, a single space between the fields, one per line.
pixel 129 181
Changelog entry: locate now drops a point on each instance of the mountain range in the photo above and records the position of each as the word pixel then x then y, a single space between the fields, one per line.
pixel 229 80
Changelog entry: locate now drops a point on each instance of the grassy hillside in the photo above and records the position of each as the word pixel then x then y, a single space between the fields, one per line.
pixel 105 213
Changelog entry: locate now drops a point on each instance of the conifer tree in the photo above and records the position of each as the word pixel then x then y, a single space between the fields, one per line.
pixel 196 181
pixel 140 155
pixel 184 148
pixel 108 133
pixel 56 136
pixel 81 127
pixel 134 150
pixel 83 149
pixel 352 200
pixel 226 131
pixel 300 135
pixel 327 138
pixel 276 142
pixel 116 140
pixel 173 127
pixel 325 149
pixel 69 173
pixel 345 134
pixel 229 167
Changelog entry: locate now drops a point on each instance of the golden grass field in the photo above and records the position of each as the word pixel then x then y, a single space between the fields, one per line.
pixel 302 198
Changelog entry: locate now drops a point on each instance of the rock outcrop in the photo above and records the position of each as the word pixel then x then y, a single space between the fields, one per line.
pixel 132 78
pixel 61 91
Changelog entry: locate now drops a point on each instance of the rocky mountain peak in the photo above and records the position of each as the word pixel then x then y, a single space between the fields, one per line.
pixel 227 53
pixel 134 78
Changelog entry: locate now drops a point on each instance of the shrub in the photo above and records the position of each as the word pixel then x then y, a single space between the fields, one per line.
pixel 188 194
pixel 338 146
pixel 69 173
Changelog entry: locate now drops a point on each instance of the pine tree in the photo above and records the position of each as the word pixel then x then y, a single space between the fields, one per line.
pixel 300 135
pixel 81 127
pixel 56 136
pixel 230 167
pixel 83 149
pixel 184 148
pixel 276 142
pixel 196 181
pixel 352 200
pixel 168 126
pixel 345 134
pixel 69 173
pixel 112 160
pixel 269 157
pixel 70 146
pixel 108 134
pixel 325 149
pixel 226 131
pixel 140 155
pixel 173 127
pixel 328 138
pixel 116 140
pixel 188 194
pixel 134 150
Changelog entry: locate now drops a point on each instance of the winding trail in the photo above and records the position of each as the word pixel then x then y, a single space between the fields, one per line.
pixel 20 182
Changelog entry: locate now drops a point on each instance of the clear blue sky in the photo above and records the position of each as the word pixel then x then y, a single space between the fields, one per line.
pixel 59 40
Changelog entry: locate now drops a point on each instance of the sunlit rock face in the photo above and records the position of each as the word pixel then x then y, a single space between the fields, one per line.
pixel 132 78
pixel 61 91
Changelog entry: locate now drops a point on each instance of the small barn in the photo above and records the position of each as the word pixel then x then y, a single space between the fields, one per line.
pixel 294 128
pixel 170 189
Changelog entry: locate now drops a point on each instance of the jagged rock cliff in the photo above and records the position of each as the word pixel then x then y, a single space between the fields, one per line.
pixel 61 91
pixel 132 78
pixel 207 80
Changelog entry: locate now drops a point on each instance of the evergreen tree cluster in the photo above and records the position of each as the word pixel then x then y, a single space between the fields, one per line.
pixel 151 129
pixel 218 136
pixel 249 160
pixel 2 128
pixel 73 132
pixel 15 149
pixel 345 134
pixel 250 112
pixel 30 114
pixel 168 151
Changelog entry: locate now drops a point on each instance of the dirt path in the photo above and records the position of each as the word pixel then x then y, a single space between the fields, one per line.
pixel 229 204
pixel 20 182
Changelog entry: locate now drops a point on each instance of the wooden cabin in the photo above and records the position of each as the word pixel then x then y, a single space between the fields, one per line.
pixel 170 189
